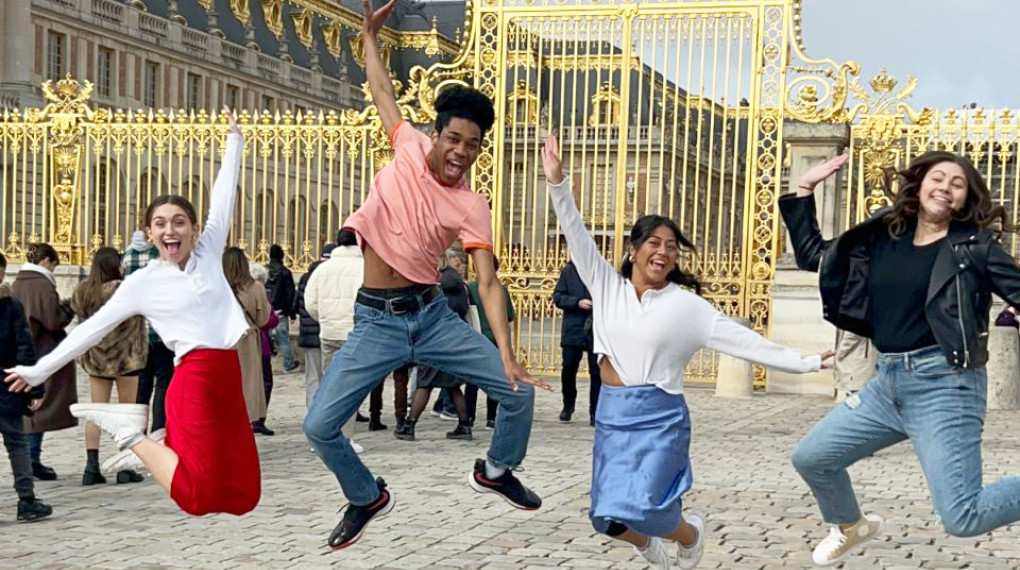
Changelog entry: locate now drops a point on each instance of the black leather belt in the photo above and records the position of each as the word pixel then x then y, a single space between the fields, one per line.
pixel 400 304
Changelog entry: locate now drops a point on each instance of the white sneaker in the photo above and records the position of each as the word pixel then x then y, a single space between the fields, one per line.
pixel 127 459
pixel 125 423
pixel 655 553
pixel 357 447
pixel 687 557
pixel 838 545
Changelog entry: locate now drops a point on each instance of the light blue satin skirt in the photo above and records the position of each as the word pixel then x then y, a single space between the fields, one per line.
pixel 641 464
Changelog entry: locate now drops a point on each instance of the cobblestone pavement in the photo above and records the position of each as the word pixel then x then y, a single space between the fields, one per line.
pixel 761 516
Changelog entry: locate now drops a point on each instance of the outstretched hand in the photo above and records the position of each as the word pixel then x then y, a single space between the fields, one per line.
pixel 825 356
pixel 516 375
pixel 820 172
pixel 231 121
pixel 15 383
pixel 374 19
pixel 552 164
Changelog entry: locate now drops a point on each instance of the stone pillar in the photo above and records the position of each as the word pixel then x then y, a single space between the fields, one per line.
pixel 735 378
pixel 796 316
pixel 1003 368
pixel 17 53
pixel 797 323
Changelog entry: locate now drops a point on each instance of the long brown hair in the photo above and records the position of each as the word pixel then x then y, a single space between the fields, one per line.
pixel 88 297
pixel 977 209
pixel 236 268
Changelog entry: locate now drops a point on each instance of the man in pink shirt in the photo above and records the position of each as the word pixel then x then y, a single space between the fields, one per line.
pixel 419 205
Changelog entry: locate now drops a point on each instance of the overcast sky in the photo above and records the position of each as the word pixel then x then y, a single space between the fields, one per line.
pixel 959 50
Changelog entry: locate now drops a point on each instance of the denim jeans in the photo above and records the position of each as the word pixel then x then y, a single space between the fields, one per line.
pixel 382 342
pixel 915 395
pixel 282 336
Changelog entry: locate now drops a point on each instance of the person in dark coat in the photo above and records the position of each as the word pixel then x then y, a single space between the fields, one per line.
pixel 308 333
pixel 16 347
pixel 36 289
pixel 576 338
pixel 282 296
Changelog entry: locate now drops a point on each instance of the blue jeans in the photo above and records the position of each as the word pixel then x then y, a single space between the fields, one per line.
pixel 282 336
pixel 915 395
pixel 382 342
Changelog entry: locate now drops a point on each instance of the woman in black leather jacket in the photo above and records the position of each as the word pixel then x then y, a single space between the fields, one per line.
pixel 917 279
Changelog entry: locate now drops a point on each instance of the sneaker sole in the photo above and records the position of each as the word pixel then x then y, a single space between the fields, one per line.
pixel 482 489
pixel 855 548
pixel 383 512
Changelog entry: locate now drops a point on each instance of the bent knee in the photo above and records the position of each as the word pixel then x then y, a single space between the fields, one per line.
pixel 805 460
pixel 961 524
pixel 319 429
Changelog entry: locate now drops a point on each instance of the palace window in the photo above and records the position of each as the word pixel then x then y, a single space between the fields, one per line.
pixel 104 73
pixel 193 92
pixel 56 55
pixel 150 95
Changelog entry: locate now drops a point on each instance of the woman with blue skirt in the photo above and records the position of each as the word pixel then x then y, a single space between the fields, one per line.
pixel 647 325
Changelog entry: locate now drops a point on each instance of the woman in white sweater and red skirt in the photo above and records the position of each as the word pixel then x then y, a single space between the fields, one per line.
pixel 208 462
pixel 649 320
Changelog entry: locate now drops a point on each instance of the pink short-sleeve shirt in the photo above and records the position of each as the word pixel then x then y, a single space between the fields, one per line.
pixel 410 218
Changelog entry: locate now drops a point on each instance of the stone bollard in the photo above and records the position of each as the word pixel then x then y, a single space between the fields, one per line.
pixel 735 378
pixel 1003 368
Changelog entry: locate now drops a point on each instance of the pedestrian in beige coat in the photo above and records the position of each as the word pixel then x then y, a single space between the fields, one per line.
pixel 253 299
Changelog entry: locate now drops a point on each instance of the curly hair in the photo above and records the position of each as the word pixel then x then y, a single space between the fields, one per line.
pixel 464 103
pixel 642 230
pixel 977 209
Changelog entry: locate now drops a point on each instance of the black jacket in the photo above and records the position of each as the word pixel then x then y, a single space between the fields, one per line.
pixel 568 293
pixel 16 348
pixel 969 267
pixel 308 331
pixel 280 287
pixel 455 290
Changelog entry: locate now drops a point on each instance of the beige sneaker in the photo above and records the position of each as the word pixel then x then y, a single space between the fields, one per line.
pixel 838 545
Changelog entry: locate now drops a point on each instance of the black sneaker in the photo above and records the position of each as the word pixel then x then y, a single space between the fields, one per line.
pixel 30 510
pixel 490 424
pixel 357 518
pixel 360 418
pixel 462 431
pixel 375 424
pixel 565 415
pixel 506 486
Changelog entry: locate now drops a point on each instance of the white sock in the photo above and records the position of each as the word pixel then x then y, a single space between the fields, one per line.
pixel 493 472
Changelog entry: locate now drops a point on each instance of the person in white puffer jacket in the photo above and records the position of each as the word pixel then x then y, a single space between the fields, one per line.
pixel 329 299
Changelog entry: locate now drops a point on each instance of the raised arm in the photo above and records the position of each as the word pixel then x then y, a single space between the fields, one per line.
pixel 224 193
pixel 378 76
pixel 798 211
pixel 120 307
pixel 594 270
pixel 729 337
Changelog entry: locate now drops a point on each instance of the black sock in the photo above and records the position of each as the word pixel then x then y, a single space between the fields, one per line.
pixel 92 458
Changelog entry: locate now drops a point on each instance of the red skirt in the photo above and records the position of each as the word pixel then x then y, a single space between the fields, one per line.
pixel 207 426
